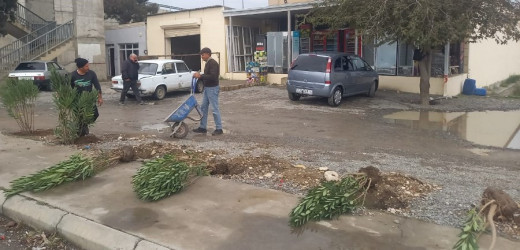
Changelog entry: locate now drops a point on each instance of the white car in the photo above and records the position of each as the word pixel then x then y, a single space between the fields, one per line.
pixel 160 76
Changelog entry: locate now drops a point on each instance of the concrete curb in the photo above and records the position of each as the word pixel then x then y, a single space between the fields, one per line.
pixel 82 232
pixel 90 235
pixel 33 214
pixel 240 86
pixel 2 201
pixel 146 245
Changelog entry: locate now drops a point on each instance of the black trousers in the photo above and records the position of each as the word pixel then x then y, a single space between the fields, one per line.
pixel 126 86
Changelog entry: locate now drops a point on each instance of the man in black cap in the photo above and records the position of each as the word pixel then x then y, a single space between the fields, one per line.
pixel 83 79
pixel 130 73
pixel 210 78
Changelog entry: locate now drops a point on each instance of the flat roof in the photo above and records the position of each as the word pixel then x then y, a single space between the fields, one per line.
pixel 271 11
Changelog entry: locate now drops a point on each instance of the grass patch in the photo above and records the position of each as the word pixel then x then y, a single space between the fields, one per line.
pixel 510 80
pixel 516 91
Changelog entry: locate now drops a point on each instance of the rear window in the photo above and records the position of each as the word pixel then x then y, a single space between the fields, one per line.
pixel 147 68
pixel 311 63
pixel 31 66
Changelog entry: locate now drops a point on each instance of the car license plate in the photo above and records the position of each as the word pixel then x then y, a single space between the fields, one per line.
pixel 304 91
pixel 25 78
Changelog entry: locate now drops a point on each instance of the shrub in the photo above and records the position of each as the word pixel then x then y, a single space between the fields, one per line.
pixel 73 108
pixel 510 80
pixel 18 97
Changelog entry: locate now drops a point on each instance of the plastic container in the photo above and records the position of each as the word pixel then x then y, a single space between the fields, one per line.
pixel 469 86
pixel 480 92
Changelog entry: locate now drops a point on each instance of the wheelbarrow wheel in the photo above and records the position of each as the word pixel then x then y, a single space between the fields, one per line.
pixel 182 131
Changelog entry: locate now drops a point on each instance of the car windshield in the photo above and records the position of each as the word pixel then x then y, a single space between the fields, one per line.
pixel 31 66
pixel 148 68
pixel 310 63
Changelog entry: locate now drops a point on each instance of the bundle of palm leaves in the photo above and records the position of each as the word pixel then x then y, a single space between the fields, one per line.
pixel 330 200
pixel 75 168
pixel 163 177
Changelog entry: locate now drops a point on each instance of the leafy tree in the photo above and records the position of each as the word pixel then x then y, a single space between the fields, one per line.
pixel 126 11
pixel 7 8
pixel 427 24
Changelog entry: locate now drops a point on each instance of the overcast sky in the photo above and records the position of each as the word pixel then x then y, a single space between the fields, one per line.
pixel 189 4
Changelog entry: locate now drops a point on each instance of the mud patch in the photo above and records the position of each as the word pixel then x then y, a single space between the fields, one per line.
pixel 86 140
pixel 17 236
pixel 37 135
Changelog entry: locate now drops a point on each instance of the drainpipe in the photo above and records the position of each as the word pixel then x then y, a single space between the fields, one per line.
pixel 289 39
pixel 446 66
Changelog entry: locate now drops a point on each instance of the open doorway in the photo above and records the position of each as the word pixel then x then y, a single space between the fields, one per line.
pixel 187 47
pixel 111 61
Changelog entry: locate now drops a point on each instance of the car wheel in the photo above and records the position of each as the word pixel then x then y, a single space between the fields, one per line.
pixel 160 92
pixel 335 98
pixel 48 87
pixel 200 87
pixel 182 131
pixel 372 91
pixel 294 96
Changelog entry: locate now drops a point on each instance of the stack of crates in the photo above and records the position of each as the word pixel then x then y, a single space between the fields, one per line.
pixel 257 69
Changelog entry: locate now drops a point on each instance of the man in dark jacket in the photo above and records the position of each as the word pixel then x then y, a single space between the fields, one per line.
pixel 210 78
pixel 130 73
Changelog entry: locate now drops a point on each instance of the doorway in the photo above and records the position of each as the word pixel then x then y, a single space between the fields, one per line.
pixel 111 71
pixel 188 48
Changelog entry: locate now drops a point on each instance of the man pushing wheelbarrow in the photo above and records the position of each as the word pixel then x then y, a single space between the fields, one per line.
pixel 211 92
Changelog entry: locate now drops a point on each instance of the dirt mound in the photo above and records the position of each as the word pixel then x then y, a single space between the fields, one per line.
pixel 396 190
pixel 507 212
pixel 387 190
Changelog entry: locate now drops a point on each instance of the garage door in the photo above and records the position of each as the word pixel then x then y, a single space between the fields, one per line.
pixel 181 30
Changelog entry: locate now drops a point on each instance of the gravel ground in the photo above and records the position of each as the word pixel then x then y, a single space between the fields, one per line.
pixel 463 176
pixel 462 184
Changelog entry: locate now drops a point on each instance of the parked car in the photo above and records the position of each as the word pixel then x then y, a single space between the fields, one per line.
pixel 37 71
pixel 331 75
pixel 160 76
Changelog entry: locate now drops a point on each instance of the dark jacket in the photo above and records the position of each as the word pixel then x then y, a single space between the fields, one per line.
pixel 211 73
pixel 130 70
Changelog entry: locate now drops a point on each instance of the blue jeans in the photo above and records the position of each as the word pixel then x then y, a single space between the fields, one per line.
pixel 210 96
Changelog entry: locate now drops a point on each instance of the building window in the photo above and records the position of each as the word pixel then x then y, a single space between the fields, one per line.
pixel 126 49
pixel 397 59
pixel 242 41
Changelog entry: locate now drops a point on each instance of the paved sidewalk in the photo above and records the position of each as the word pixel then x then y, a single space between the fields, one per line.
pixel 104 213
pixel 227 85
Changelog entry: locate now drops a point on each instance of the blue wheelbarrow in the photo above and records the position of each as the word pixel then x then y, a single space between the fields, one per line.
pixel 176 119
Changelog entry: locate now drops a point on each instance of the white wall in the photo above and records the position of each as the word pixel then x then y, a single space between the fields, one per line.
pixel 122 34
pixel 490 62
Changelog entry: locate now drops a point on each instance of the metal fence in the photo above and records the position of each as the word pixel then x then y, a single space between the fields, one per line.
pixel 37 46
pixel 28 19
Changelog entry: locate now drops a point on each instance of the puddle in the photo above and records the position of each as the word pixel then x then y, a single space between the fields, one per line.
pixel 490 128
pixel 160 127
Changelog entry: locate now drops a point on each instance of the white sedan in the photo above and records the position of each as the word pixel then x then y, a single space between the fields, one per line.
pixel 160 76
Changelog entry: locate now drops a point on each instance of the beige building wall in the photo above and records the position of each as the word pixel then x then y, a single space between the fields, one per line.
pixel 490 62
pixel 212 31
pixel 410 84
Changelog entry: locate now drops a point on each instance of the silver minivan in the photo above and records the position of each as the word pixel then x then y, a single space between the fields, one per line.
pixel 331 75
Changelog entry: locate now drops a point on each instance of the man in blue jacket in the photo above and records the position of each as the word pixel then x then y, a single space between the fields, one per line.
pixel 130 73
